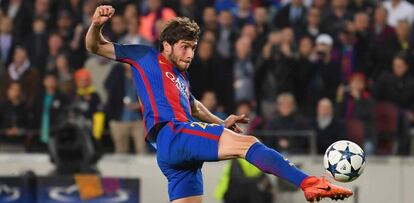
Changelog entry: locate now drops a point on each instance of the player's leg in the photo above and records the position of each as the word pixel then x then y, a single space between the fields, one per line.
pixel 180 158
pixel 233 145
pixel 193 199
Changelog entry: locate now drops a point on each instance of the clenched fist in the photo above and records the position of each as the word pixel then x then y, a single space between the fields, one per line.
pixel 102 14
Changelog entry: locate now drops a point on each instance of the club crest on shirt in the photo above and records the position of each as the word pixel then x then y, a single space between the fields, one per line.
pixel 178 83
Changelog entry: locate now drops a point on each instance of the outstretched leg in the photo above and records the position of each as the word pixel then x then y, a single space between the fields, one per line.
pixel 192 199
pixel 233 145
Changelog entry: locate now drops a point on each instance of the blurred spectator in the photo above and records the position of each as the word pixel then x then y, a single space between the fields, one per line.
pixel 363 6
pixel 328 73
pixel 396 87
pixel 405 41
pixel 21 71
pixel 7 41
pixel 312 26
pixel 327 126
pixel 154 12
pixel 249 30
pixel 287 43
pixel 77 51
pixel 132 36
pixel 190 9
pixel 99 68
pixel 36 44
pixel 355 103
pixel 87 100
pixel 123 110
pixel 303 70
pixel 337 16
pixel 210 36
pixel 243 13
pixel 287 118
pixel 242 182
pixel 221 5
pixel 20 12
pixel 55 45
pixel 64 76
pixel 42 10
pixel 209 100
pixel 14 119
pixel 118 28
pixel 209 20
pixel 286 59
pixel 261 19
pixel 347 53
pixel 243 71
pixel 88 8
pixel 74 9
pixel 362 38
pixel 273 76
pixel 225 34
pixel 130 12
pixel 49 108
pixel 159 25
pixel 291 15
pixel 203 65
pixel 399 10
pixel 323 6
pixel 382 44
pixel 64 26
pixel 255 121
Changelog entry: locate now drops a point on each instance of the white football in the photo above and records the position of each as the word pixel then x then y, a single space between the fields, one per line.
pixel 344 160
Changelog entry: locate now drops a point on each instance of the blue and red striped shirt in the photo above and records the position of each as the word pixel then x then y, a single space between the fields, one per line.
pixel 164 91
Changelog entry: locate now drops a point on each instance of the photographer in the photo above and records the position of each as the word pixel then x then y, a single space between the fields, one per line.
pixel 327 71
pixel 274 75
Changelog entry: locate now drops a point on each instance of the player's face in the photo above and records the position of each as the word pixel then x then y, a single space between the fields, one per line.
pixel 182 54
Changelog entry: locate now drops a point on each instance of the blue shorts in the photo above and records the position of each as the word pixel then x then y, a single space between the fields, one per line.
pixel 182 148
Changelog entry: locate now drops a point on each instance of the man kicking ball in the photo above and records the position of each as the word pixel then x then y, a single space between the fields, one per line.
pixel 169 109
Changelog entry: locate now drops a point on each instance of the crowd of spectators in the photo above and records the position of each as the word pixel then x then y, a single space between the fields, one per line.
pixel 340 68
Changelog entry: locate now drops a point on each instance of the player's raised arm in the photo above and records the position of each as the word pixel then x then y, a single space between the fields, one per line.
pixel 95 42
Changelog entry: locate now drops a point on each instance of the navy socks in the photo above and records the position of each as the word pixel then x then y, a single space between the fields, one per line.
pixel 271 161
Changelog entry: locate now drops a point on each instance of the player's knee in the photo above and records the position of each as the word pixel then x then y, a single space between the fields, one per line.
pixel 247 142
pixel 233 145
pixel 249 139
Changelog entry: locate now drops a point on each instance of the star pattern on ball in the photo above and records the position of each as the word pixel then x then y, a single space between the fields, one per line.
pixel 353 174
pixel 332 169
pixel 347 154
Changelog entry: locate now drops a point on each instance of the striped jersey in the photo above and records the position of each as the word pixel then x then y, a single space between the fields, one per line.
pixel 164 91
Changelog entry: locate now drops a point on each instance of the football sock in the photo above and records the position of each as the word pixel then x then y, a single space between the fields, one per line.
pixel 271 161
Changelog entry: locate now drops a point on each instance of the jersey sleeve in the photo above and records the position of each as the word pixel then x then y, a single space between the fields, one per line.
pixel 130 52
pixel 192 99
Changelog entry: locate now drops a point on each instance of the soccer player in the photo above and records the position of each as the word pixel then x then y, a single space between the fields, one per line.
pixel 169 109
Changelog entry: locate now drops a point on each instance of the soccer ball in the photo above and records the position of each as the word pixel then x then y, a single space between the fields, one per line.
pixel 344 160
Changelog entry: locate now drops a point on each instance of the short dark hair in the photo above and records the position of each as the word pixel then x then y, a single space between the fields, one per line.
pixel 180 28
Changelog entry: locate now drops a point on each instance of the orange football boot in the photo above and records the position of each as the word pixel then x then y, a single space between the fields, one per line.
pixel 316 189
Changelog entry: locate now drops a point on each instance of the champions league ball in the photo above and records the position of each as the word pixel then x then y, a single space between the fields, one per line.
pixel 344 160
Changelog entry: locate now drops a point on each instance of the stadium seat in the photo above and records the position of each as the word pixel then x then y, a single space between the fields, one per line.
pixel 355 131
pixel 386 127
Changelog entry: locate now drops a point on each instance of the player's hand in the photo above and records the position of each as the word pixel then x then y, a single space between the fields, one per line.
pixel 232 120
pixel 102 14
